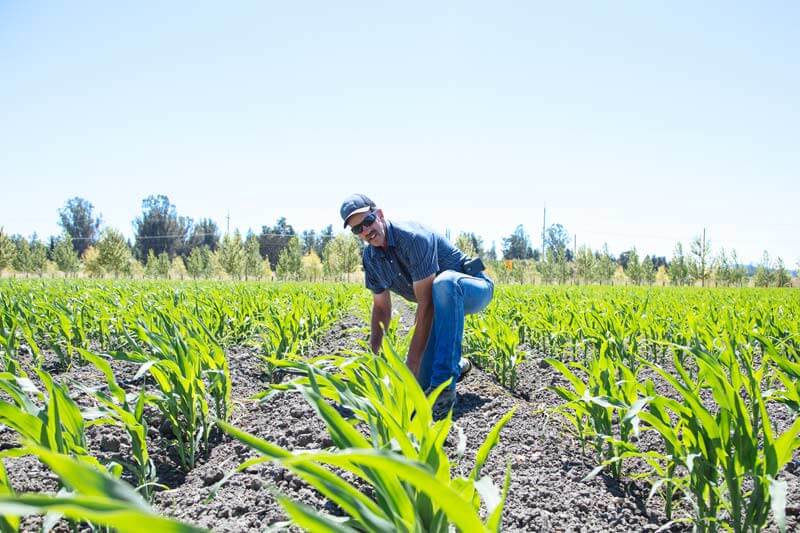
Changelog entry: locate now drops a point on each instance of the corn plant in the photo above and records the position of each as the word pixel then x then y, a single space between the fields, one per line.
pixel 95 497
pixel 605 407
pixel 9 344
pixel 402 456
pixel 59 426
pixel 724 449
pixel 282 337
pixel 188 368
pixel 494 346
pixel 8 523
pixel 126 411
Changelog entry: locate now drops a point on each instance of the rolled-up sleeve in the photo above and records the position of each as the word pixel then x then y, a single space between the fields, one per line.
pixel 422 256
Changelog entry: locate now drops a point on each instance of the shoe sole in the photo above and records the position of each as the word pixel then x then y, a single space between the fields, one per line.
pixel 465 371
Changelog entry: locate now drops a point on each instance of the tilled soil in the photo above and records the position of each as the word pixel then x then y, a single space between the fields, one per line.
pixel 547 490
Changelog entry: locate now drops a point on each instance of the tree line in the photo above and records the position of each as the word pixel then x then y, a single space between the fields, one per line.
pixel 166 244
pixel 558 263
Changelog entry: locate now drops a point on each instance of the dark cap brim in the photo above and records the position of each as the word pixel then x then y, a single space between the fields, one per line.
pixel 354 212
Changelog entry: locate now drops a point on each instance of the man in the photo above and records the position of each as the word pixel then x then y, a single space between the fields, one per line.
pixel 421 266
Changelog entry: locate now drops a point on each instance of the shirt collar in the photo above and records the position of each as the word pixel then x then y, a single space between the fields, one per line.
pixel 390 234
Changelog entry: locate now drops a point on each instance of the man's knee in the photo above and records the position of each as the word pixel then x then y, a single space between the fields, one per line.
pixel 445 285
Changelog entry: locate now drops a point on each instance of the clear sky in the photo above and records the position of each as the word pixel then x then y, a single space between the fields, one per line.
pixel 636 123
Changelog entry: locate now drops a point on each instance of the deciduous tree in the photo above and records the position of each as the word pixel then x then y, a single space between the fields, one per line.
pixel 325 236
pixel 273 240
pixel 79 222
pixel 557 243
pixel 22 256
pixel 782 276
pixel 65 256
pixel 177 269
pixel 678 269
pixel 7 251
pixel 648 270
pixel 584 264
pixel 312 266
pixel 700 264
pixel 764 275
pixel 91 262
pixel 604 266
pixel 309 240
pixel 465 243
pixel 230 254
pixel 517 245
pixel 342 255
pixel 634 268
pixel 199 264
pixel 38 255
pixel 290 261
pixel 253 266
pixel 160 228
pixel 114 255
pixel 203 232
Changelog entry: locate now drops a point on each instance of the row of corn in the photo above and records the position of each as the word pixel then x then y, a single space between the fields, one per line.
pixel 176 335
pixel 704 371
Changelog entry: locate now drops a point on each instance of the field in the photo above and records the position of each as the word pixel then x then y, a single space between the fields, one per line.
pixel 239 406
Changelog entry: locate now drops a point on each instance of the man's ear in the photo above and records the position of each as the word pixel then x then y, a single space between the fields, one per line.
pixel 379 212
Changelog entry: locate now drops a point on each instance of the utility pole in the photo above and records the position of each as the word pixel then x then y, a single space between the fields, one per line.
pixel 544 223
pixel 703 260
pixel 575 247
pixel 228 225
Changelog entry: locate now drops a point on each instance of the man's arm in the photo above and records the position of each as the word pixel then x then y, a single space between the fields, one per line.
pixel 423 290
pixel 381 315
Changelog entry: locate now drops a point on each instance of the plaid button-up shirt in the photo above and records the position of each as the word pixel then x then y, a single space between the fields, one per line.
pixel 413 252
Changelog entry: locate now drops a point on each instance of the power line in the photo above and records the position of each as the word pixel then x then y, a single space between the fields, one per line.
pixel 148 237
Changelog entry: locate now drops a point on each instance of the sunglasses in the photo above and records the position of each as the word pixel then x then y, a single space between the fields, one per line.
pixel 365 223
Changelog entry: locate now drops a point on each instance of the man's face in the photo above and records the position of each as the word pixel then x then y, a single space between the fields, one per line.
pixel 373 234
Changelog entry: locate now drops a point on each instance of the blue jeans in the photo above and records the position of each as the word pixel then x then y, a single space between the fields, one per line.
pixel 454 296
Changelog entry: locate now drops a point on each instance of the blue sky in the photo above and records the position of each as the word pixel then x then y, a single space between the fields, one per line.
pixel 637 123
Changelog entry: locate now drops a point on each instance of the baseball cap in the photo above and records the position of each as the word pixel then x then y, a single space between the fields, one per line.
pixel 355 203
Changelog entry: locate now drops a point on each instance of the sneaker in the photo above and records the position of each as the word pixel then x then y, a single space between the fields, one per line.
pixel 444 403
pixel 466 367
